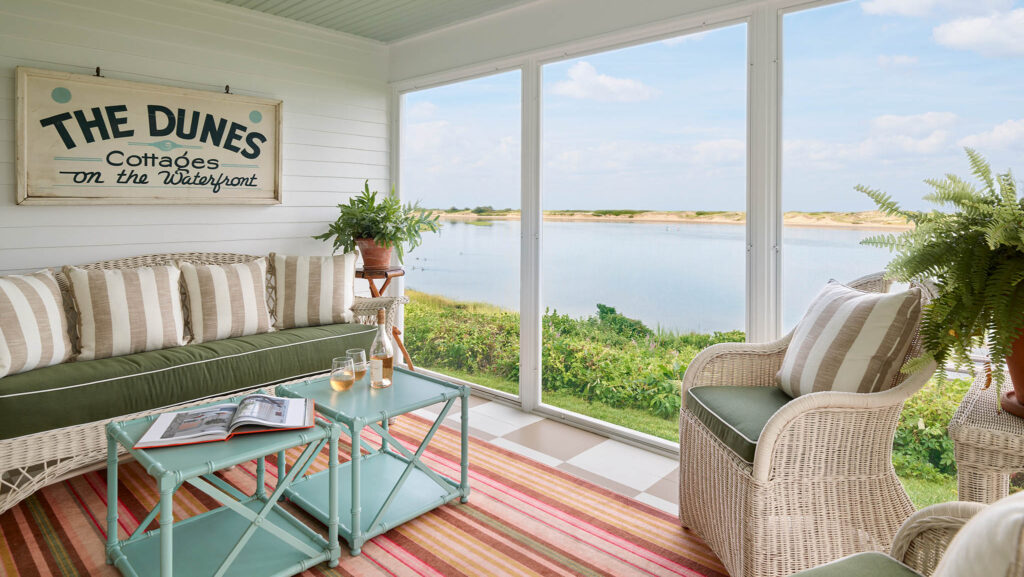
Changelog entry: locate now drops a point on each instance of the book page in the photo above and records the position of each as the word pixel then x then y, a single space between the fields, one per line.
pixel 201 424
pixel 270 411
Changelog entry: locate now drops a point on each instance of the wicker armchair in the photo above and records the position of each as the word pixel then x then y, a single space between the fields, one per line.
pixel 957 539
pixel 31 462
pixel 821 485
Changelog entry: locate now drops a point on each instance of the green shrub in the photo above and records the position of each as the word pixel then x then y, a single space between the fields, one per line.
pixel 620 212
pixel 618 323
pixel 922 448
pixel 607 357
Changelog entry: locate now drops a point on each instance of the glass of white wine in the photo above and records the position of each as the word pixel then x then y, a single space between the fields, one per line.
pixel 343 373
pixel 359 359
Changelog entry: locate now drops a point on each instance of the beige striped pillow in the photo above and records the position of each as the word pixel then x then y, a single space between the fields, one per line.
pixel 850 341
pixel 33 326
pixel 314 290
pixel 126 311
pixel 226 300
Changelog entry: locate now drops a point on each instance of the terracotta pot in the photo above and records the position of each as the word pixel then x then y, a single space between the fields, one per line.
pixel 1015 366
pixel 375 257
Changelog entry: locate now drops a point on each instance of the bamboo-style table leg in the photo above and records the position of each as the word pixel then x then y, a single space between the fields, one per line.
pixel 166 527
pixel 111 497
pixel 356 455
pixel 332 500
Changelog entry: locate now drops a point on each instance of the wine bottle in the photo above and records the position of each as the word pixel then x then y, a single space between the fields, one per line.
pixel 382 356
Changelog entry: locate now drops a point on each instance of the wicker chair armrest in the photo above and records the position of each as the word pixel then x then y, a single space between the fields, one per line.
pixel 854 430
pixel 741 364
pixel 365 309
pixel 924 536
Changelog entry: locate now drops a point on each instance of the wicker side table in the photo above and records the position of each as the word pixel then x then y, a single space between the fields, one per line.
pixel 988 443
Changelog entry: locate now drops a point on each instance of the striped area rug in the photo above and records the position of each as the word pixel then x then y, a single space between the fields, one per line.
pixel 523 518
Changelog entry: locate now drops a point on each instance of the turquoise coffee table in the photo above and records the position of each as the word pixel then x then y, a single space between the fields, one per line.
pixel 390 485
pixel 249 535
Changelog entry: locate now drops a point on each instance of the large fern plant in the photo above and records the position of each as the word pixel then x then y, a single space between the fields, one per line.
pixel 975 255
pixel 386 221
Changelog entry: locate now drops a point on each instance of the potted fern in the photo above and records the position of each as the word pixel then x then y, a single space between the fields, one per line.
pixel 377 227
pixel 975 254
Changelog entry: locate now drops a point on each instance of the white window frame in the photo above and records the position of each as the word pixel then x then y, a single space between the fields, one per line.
pixel 763 294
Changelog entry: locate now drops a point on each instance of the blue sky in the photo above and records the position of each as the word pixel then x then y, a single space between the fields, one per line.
pixel 880 92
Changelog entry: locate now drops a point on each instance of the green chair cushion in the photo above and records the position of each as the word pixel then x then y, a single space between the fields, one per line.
pixel 861 565
pixel 736 415
pixel 83 392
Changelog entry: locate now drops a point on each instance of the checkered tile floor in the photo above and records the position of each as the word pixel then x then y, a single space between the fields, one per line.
pixel 648 477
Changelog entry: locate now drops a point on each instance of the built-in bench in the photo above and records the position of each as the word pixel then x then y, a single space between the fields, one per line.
pixel 52 419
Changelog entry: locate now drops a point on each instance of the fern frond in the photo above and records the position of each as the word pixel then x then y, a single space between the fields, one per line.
pixel 981 168
pixel 886 204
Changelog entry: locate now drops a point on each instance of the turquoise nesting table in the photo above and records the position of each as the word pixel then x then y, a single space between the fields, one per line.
pixel 249 535
pixel 390 485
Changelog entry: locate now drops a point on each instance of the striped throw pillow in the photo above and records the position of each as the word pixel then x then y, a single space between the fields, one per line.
pixel 33 326
pixel 126 311
pixel 226 300
pixel 313 290
pixel 850 341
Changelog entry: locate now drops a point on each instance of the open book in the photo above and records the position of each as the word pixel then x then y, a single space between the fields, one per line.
pixel 253 414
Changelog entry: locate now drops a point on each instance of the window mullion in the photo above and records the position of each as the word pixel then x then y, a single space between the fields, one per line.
pixel 764 217
pixel 530 247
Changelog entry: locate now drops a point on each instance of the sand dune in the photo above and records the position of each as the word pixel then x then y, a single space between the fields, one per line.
pixel 867 219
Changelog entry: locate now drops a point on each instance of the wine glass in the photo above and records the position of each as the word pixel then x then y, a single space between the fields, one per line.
pixel 343 373
pixel 359 359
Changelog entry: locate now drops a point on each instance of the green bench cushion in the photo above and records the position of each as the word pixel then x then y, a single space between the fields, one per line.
pixel 736 415
pixel 861 565
pixel 83 392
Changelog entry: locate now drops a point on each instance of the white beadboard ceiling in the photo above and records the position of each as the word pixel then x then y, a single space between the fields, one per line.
pixel 381 20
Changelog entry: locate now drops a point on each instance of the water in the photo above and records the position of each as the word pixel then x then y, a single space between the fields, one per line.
pixel 687 277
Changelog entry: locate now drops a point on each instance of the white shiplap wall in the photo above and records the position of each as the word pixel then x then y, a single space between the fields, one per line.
pixel 335 122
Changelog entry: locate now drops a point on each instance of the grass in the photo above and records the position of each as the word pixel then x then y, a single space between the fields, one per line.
pixel 929 492
pixel 617 212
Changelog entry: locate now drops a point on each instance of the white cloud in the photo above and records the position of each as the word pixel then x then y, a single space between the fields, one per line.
pixel 586 83
pixel 1002 135
pixel 421 110
pixel 919 8
pixel 900 7
pixel 896 60
pixel 693 37
pixel 996 34
pixel 631 155
pixel 913 124
pixel 423 137
pixel 722 151
pixel 890 136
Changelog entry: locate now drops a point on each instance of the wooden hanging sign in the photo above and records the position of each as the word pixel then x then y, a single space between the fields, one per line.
pixel 92 140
